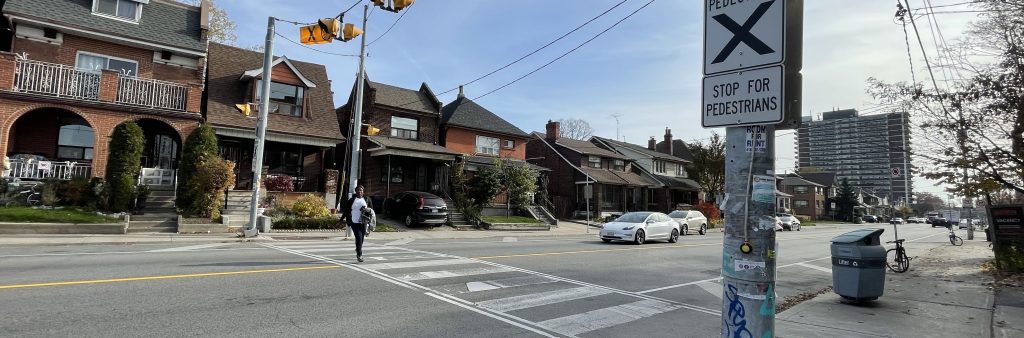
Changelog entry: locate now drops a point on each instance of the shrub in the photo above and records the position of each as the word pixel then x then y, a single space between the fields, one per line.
pixel 803 219
pixel 212 177
pixel 48 193
pixel 278 211
pixel 311 206
pixel 709 210
pixel 296 223
pixel 77 192
pixel 200 146
pixel 123 166
pixel 279 183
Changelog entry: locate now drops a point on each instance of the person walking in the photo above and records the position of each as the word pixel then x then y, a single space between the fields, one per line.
pixel 357 204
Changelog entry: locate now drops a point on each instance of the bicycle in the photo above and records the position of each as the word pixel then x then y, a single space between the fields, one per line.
pixel 29 194
pixel 954 239
pixel 899 261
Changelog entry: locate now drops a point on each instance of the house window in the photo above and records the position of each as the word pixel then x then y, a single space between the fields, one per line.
pixel 96 63
pixel 404 128
pixel 509 144
pixel 800 204
pixel 285 99
pixel 659 167
pixel 680 170
pixel 395 175
pixel 75 142
pixel 800 190
pixel 486 145
pixel 620 165
pixel 121 9
pixel 595 161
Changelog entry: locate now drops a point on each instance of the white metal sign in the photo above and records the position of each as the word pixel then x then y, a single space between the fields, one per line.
pixel 744 98
pixel 743 34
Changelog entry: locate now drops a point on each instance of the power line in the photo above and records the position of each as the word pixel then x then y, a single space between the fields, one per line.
pixel 392 26
pixel 311 48
pixel 569 52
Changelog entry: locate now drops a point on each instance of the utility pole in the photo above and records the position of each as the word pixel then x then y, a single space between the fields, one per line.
pixel 616 117
pixel 357 115
pixel 261 131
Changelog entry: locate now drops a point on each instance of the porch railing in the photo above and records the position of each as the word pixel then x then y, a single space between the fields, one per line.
pixel 38 170
pixel 56 79
pixel 151 93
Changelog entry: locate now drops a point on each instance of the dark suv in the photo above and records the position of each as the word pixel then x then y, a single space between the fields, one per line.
pixel 870 218
pixel 417 207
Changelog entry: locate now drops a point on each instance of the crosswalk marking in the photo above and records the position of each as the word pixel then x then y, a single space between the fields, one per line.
pixel 417 264
pixel 400 241
pixel 543 298
pixel 815 267
pixel 450 273
pixel 191 247
pixel 351 248
pixel 712 287
pixel 607 317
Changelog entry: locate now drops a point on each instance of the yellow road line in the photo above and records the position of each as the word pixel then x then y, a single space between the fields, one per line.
pixel 133 279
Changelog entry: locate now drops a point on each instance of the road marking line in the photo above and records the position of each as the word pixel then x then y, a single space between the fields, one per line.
pixel 191 247
pixel 815 267
pixel 351 248
pixel 513 303
pixel 509 239
pixel 450 273
pixel 492 315
pixel 400 242
pixel 114 253
pixel 133 279
pixel 592 251
pixel 607 317
pixel 519 281
pixel 681 285
pixel 417 264
pixel 714 288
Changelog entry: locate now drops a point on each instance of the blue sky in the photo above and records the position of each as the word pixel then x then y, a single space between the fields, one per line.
pixel 647 69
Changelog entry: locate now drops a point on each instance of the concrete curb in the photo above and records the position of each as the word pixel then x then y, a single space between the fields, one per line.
pixel 63 228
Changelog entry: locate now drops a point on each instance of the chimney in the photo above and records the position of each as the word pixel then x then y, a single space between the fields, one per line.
pixel 652 144
pixel 461 93
pixel 204 20
pixel 553 129
pixel 668 141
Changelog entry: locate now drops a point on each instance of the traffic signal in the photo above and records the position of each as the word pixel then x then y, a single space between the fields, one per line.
pixel 396 5
pixel 316 34
pixel 244 108
pixel 371 130
pixel 350 32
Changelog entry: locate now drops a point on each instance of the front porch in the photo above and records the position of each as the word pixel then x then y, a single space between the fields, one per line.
pixel 304 163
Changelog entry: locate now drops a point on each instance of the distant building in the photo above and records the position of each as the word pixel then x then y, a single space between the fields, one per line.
pixel 871 151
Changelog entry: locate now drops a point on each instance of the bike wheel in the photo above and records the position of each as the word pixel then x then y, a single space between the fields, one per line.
pixel 34 200
pixel 897 260
pixel 957 241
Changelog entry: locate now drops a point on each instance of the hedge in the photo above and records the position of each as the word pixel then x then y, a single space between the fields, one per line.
pixel 123 166
pixel 296 223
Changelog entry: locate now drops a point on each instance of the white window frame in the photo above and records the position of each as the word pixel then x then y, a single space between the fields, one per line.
pixel 592 160
pixel 394 131
pixel 680 170
pixel 482 143
pixel 108 61
pixel 619 163
pixel 509 144
pixel 138 12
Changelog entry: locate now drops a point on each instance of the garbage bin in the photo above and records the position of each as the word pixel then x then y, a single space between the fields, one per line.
pixel 858 265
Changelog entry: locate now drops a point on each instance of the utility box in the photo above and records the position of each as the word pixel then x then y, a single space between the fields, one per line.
pixel 858 265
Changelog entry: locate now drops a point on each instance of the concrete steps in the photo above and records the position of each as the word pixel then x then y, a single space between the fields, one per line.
pixel 161 226
pixel 543 215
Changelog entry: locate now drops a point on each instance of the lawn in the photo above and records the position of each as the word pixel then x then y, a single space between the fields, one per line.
pixel 512 219
pixel 29 215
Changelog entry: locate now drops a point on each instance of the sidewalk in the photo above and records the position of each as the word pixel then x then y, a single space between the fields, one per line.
pixel 946 293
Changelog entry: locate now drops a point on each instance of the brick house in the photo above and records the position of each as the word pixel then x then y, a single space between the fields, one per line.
pixel 674 187
pixel 481 136
pixel 808 197
pixel 615 184
pixel 302 128
pixel 831 183
pixel 406 154
pixel 72 70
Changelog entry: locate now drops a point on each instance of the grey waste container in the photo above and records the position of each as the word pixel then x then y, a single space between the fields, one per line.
pixel 858 264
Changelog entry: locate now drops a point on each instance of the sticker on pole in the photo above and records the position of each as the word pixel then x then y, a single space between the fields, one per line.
pixel 752 97
pixel 763 189
pixel 756 139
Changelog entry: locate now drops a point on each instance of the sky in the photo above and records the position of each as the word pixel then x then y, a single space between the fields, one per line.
pixel 647 69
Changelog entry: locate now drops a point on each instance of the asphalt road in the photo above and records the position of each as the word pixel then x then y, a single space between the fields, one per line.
pixel 496 287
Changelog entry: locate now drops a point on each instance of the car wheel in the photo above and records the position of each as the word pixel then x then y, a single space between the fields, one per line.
pixel 606 240
pixel 686 230
pixel 674 237
pixel 408 220
pixel 639 239
pixel 703 229
pixel 798 227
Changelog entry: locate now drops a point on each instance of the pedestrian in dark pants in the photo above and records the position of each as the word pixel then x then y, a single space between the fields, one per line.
pixel 355 220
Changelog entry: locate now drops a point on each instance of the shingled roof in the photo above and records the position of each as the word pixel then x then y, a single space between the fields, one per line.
pixel 163 22
pixel 463 112
pixel 225 89
pixel 679 149
pixel 640 149
pixel 827 179
pixel 582 147
pixel 422 100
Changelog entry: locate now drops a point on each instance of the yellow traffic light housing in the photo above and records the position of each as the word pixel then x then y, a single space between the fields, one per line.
pixel 314 34
pixel 244 108
pixel 371 130
pixel 394 5
pixel 401 4
pixel 350 32
pixel 330 26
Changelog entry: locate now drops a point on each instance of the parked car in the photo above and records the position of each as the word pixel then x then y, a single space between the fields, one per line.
pixel 690 219
pixel 964 222
pixel 870 218
pixel 789 222
pixel 417 207
pixel 639 227
pixel 940 222
pixel 915 220
pixel 896 220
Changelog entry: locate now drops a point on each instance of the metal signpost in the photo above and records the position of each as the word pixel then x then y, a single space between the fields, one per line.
pixel 751 87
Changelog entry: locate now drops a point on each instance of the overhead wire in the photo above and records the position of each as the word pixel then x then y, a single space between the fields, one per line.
pixel 390 27
pixel 313 49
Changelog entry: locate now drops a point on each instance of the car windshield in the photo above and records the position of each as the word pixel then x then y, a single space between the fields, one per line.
pixel 633 217
pixel 678 214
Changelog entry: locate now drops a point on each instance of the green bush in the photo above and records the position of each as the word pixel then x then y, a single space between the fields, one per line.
pixel 311 206
pixel 77 192
pixel 297 223
pixel 213 176
pixel 200 146
pixel 123 166
pixel 48 192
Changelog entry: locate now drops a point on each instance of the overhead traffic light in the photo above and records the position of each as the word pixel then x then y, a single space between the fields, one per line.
pixel 244 108
pixel 393 5
pixel 350 32
pixel 317 34
pixel 371 130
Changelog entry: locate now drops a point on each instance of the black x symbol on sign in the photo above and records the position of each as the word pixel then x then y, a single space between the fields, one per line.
pixel 742 33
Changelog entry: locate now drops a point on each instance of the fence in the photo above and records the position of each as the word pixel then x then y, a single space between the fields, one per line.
pixel 151 93
pixel 37 170
pixel 57 80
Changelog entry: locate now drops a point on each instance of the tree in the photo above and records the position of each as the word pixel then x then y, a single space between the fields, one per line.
pixel 708 168
pixel 200 146
pixel 846 200
pixel 520 183
pixel 577 129
pixel 973 133
pixel 926 202
pixel 222 29
pixel 486 184
pixel 123 165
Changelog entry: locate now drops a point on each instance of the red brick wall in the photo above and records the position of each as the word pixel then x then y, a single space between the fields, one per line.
pixel 102 121
pixel 7 69
pixel 381 118
pixel 464 141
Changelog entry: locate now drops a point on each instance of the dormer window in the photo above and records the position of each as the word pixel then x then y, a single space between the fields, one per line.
pixel 285 99
pixel 595 161
pixel 620 165
pixel 129 10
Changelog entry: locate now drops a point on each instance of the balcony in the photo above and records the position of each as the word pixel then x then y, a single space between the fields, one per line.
pixel 67 82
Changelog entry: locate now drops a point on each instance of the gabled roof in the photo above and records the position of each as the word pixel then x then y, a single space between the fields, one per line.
pixel 605 176
pixel 224 90
pixel 582 147
pixel 463 112
pixel 422 100
pixel 163 22
pixel 796 180
pixel 678 182
pixel 827 179
pixel 398 143
pixel 617 145
pixel 679 149
pixel 258 72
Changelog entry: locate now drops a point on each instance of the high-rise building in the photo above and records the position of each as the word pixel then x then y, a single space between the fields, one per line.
pixel 871 151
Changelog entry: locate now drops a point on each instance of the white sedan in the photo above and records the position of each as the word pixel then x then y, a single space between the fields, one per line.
pixel 690 219
pixel 639 227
